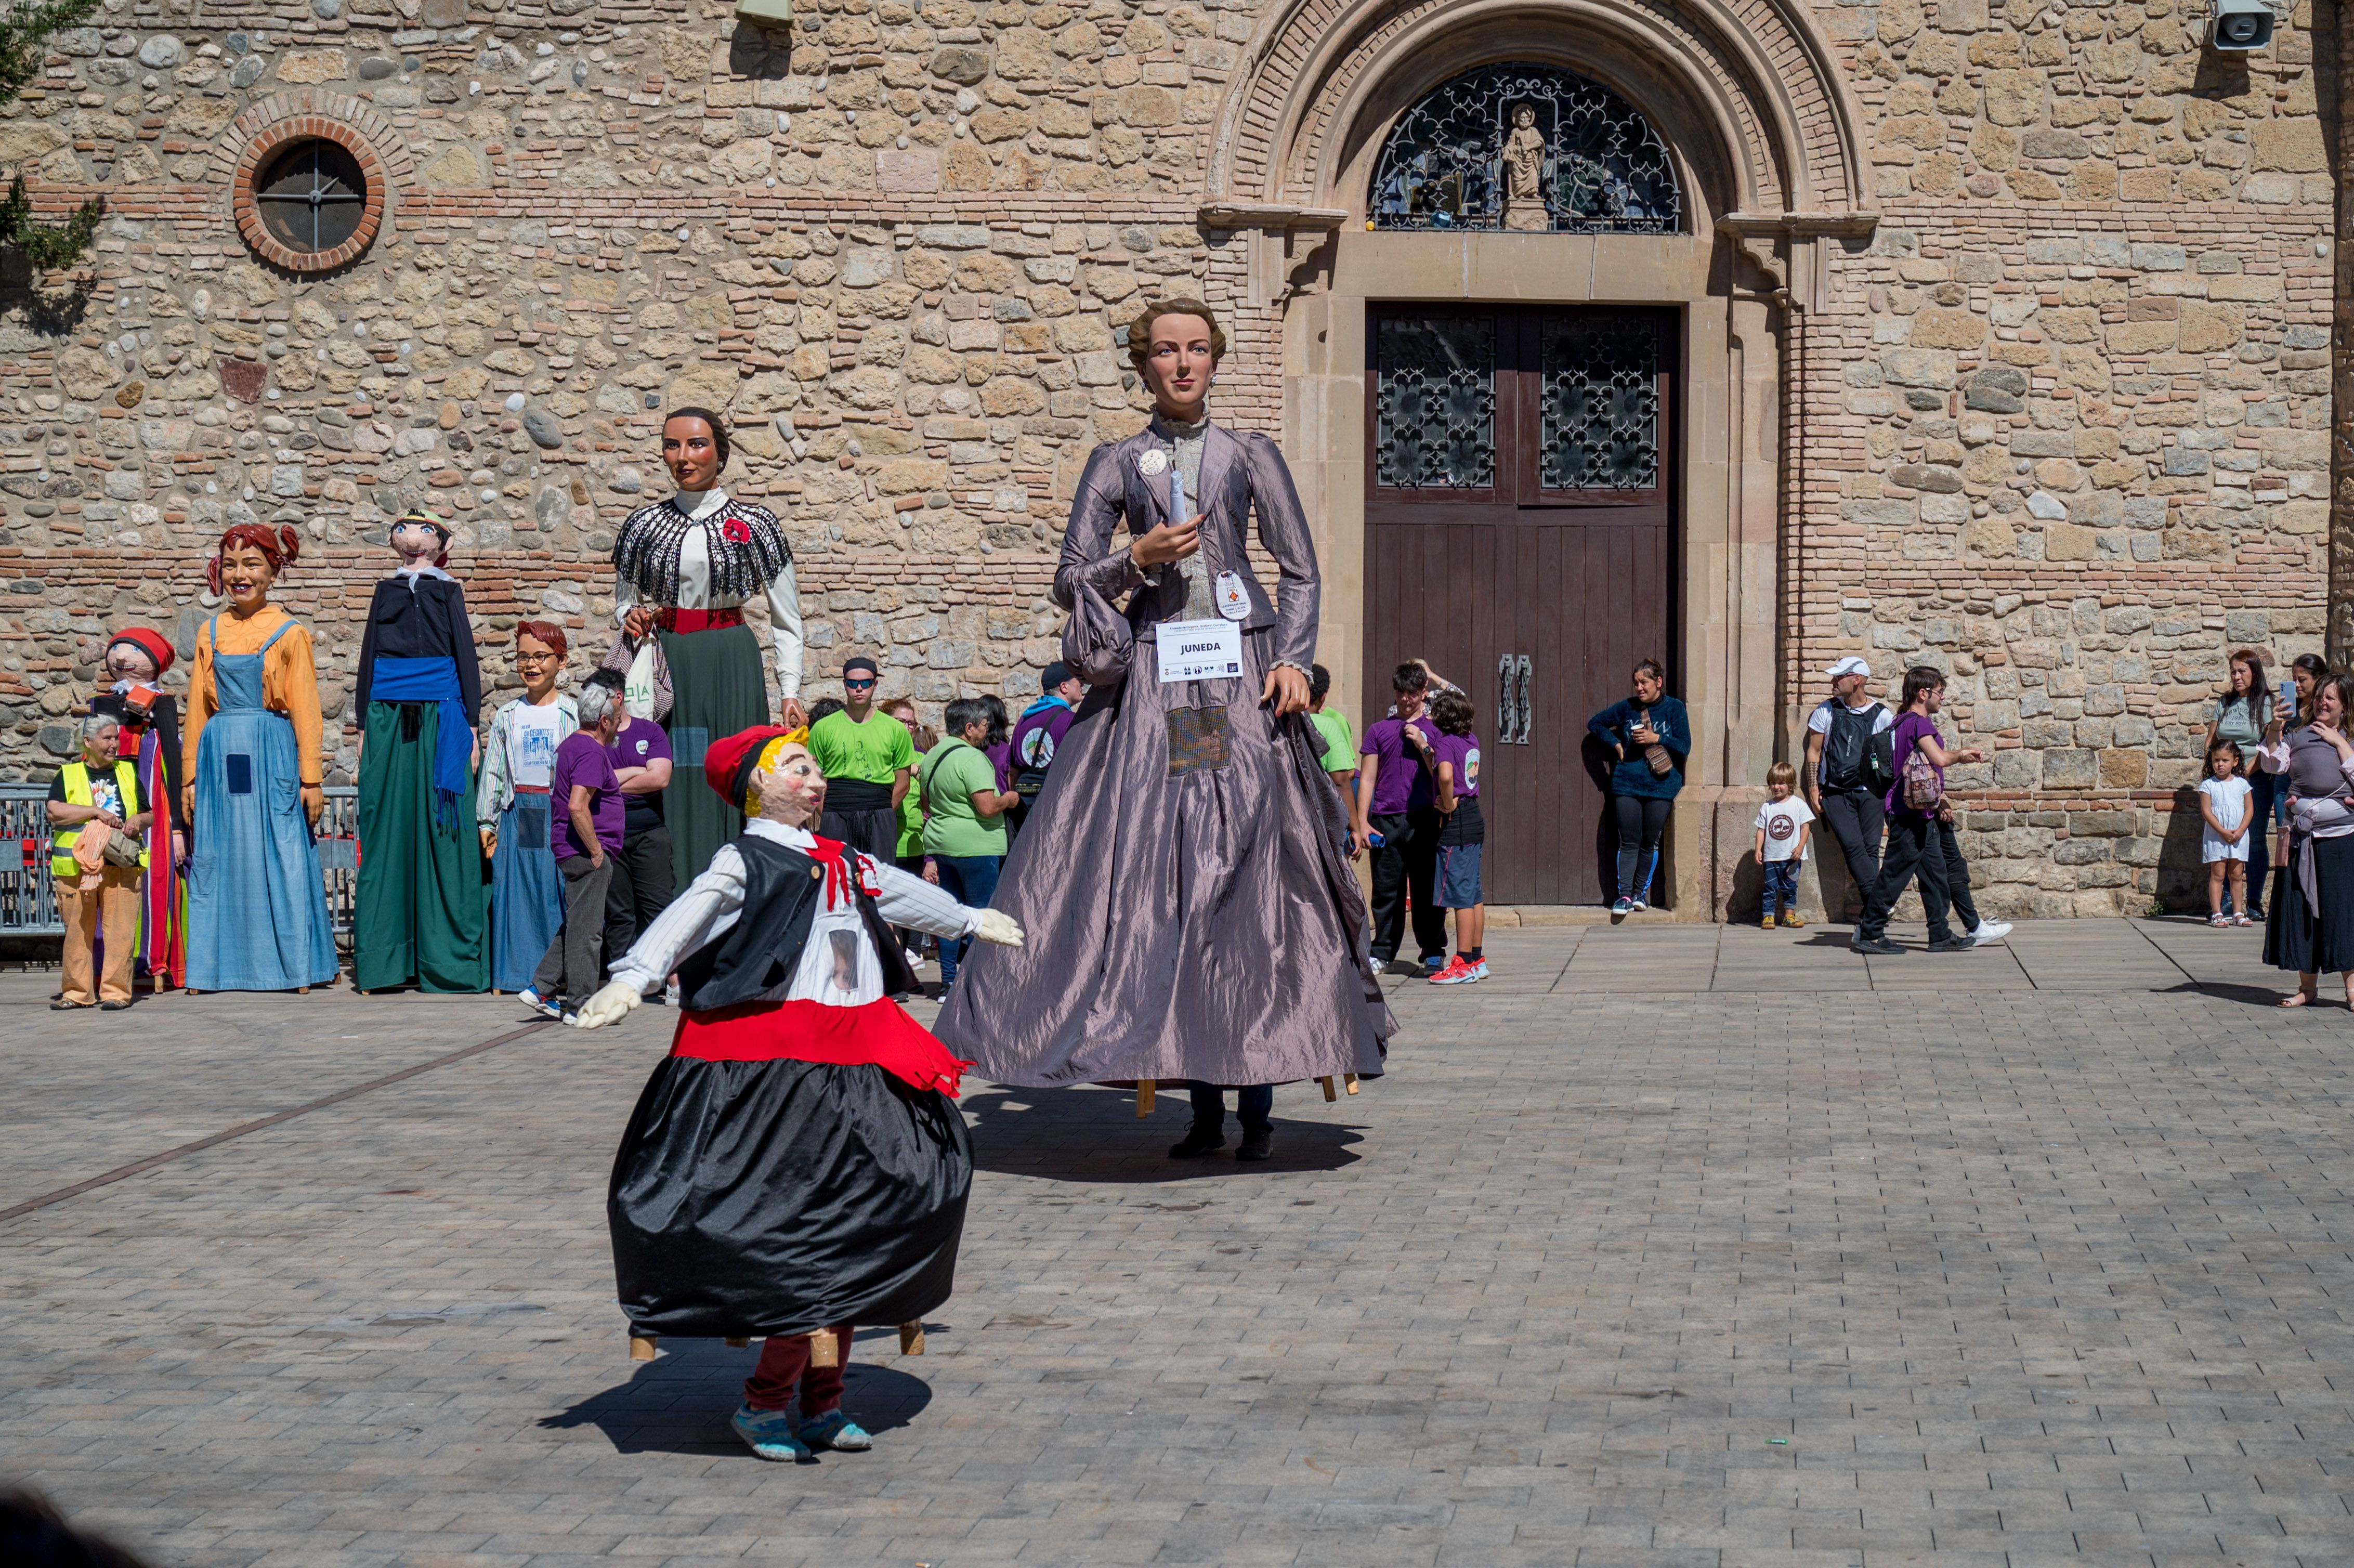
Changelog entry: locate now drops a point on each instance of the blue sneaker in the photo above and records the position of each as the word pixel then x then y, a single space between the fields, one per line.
pixel 1622 905
pixel 538 1003
pixel 769 1433
pixel 836 1431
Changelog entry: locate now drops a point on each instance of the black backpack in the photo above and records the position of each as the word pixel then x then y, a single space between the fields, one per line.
pixel 1854 757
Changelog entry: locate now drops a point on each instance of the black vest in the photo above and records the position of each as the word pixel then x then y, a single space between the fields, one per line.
pixel 783 892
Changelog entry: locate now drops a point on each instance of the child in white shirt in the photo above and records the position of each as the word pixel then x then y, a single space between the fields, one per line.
pixel 2223 797
pixel 1783 824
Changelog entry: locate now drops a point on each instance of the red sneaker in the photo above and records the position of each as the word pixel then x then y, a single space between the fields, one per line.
pixel 1457 972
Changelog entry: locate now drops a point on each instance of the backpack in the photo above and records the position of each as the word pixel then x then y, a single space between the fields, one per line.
pixel 1923 789
pixel 1030 774
pixel 1854 756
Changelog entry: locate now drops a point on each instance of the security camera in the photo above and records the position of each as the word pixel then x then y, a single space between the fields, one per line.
pixel 2240 26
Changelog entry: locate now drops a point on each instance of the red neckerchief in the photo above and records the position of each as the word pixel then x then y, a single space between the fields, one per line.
pixel 840 867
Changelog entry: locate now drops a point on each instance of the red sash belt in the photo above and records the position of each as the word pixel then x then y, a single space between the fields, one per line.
pixel 533 788
pixel 698 619
pixel 878 1033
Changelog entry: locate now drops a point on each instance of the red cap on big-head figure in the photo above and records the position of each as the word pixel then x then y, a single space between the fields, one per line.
pixel 727 764
pixel 151 642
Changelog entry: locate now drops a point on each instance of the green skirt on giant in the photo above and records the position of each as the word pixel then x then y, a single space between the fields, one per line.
pixel 717 689
pixel 422 912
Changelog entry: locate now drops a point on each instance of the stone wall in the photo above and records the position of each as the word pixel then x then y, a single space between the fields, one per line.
pixel 2060 424
pixel 2070 417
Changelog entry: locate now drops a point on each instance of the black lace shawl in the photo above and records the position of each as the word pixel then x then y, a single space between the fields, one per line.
pixel 646 552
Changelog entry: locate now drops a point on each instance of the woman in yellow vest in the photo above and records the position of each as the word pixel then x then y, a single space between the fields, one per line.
pixel 98 891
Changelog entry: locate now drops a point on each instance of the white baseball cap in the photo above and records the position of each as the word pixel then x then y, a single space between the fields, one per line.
pixel 1850 665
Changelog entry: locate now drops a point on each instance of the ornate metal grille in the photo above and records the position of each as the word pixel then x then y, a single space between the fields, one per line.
pixel 1586 163
pixel 1434 402
pixel 312 196
pixel 1599 404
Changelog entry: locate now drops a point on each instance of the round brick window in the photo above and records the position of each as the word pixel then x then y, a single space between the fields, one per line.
pixel 308 195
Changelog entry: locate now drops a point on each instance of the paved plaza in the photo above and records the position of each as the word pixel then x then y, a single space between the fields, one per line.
pixel 1670 1245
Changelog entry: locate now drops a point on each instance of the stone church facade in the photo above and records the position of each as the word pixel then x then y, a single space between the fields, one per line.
pixel 1996 336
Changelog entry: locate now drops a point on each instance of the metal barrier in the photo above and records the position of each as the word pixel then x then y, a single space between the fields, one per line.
pixel 29 907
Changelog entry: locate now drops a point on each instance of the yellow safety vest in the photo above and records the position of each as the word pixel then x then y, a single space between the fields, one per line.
pixel 77 778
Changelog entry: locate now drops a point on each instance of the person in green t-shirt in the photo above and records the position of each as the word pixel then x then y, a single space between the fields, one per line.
pixel 868 759
pixel 964 817
pixel 1340 758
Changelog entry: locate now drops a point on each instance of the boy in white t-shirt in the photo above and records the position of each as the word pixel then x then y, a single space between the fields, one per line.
pixel 2223 797
pixel 1783 825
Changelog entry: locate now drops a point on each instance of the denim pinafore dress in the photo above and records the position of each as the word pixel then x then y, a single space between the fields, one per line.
pixel 257 903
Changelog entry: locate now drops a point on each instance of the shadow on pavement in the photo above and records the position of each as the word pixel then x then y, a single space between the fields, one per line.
pixel 2249 995
pixel 681 1403
pixel 1092 1135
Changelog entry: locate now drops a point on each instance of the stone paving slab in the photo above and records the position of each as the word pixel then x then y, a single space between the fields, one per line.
pixel 2015 1274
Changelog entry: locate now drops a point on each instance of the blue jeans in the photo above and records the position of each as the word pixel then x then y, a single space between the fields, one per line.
pixel 1782 885
pixel 970 880
pixel 1254 1107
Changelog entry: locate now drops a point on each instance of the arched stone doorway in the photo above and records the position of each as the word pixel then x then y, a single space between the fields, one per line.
pixel 1764 157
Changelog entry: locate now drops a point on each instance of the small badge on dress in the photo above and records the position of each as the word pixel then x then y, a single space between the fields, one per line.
pixel 1152 462
pixel 1233 602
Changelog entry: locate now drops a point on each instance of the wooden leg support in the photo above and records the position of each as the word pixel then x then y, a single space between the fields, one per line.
pixel 1144 1097
pixel 822 1349
pixel 642 1347
pixel 737 1342
pixel 1352 1082
pixel 911 1339
pixel 1329 1092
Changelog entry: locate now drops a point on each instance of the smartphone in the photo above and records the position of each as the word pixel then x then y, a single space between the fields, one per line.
pixel 2288 700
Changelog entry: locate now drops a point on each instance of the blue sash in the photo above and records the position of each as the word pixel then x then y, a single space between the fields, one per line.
pixel 432 680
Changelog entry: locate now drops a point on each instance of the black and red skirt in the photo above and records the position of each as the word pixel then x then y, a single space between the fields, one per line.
pixel 789 1166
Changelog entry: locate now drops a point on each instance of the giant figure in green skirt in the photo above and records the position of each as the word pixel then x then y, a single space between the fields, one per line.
pixel 422 913
pixel 686 567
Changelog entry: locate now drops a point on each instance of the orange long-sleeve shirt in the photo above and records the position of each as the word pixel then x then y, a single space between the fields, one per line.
pixel 290 682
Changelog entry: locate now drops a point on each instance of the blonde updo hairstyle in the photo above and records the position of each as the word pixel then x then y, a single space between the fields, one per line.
pixel 1140 331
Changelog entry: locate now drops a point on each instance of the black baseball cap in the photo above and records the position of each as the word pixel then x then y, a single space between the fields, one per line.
pixel 860 662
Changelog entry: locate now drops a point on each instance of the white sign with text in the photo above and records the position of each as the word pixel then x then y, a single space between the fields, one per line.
pixel 1200 650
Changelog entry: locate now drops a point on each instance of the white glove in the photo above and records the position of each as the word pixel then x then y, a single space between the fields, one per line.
pixel 609 1005
pixel 998 926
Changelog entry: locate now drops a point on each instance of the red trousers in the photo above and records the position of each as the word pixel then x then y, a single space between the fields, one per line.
pixel 784 1362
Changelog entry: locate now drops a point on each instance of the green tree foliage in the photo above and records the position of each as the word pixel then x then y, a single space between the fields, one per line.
pixel 24 32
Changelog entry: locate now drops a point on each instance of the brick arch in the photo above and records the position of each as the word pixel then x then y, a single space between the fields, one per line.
pixel 239 151
pixel 1747 91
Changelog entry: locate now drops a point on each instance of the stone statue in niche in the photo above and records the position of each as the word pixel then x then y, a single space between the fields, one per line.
pixel 1524 151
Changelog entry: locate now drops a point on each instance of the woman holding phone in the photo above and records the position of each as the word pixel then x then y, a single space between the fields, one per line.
pixel 2243 715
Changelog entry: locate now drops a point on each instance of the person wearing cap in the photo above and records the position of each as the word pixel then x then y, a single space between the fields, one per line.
pixel 1850 768
pixel 1030 752
pixel 419 916
pixel 867 758
pixel 148 732
pixel 797 1166
pixel 1846 770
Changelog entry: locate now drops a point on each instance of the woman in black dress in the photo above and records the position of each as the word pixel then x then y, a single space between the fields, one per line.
pixel 2311 927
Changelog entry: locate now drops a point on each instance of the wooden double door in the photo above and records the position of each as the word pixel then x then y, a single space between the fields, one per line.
pixel 1519 535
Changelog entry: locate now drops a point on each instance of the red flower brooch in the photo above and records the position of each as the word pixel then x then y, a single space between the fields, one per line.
pixel 736 531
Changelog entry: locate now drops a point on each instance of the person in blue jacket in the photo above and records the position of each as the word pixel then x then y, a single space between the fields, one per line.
pixel 1644 732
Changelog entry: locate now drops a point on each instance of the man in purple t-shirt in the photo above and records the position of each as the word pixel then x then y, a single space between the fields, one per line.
pixel 642 885
pixel 1394 798
pixel 1918 838
pixel 1040 731
pixel 585 820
